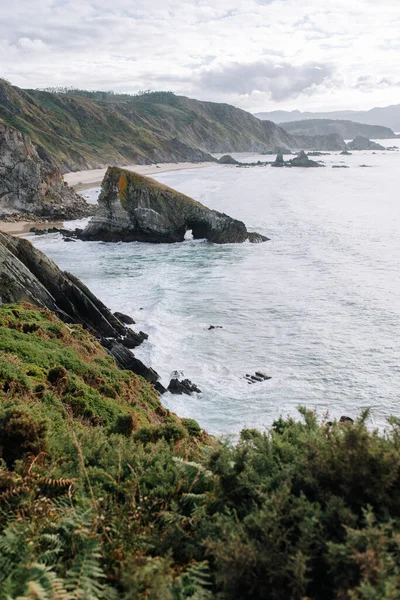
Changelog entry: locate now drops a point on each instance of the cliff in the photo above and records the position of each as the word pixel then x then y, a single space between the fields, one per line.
pixel 83 130
pixel 345 129
pixel 27 275
pixel 31 185
pixel 132 207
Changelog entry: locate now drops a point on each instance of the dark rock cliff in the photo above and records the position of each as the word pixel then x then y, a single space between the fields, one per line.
pixel 28 275
pixel 31 186
pixel 136 208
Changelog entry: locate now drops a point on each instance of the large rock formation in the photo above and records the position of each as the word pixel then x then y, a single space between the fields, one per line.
pixel 302 160
pixel 27 275
pixel 136 208
pixel 363 143
pixel 31 186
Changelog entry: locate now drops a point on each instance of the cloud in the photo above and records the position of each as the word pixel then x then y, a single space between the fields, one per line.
pixel 280 80
pixel 257 54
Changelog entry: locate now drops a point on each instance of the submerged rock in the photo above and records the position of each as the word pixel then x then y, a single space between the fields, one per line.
pixel 31 184
pixel 258 377
pixel 137 208
pixel 302 160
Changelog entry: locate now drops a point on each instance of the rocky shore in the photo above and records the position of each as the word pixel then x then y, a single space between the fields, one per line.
pixel 31 184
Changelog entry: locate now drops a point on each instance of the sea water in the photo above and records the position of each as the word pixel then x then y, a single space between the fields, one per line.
pixel 317 307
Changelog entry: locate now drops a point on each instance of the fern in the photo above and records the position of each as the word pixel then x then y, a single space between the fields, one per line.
pixel 84 579
pixel 194 583
pixel 43 584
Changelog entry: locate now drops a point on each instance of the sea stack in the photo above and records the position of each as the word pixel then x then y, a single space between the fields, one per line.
pixel 302 160
pixel 137 208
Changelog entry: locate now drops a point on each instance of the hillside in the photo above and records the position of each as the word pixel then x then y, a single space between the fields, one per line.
pixel 83 130
pixel 346 129
pixel 386 116
pixel 105 494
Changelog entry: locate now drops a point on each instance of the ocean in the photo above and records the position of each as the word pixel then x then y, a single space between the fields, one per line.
pixel 317 307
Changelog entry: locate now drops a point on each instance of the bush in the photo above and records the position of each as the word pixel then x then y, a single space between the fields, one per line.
pixel 20 434
pixel 192 427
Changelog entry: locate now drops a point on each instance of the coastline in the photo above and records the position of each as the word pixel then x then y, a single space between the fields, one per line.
pixel 83 180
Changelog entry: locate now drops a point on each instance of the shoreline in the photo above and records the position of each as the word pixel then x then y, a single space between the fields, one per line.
pixel 83 180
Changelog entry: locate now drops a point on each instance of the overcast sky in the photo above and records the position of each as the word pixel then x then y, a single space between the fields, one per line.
pixel 256 54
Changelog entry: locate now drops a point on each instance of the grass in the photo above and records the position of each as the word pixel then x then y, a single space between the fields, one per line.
pixel 105 494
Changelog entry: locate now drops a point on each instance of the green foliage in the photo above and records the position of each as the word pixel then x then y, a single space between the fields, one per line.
pixel 192 426
pixel 103 494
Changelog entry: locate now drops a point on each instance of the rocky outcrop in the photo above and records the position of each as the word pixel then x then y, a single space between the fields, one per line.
pixel 132 207
pixel 27 275
pixel 363 143
pixel 327 143
pixel 227 159
pixel 185 386
pixel 302 160
pixel 279 162
pixel 31 186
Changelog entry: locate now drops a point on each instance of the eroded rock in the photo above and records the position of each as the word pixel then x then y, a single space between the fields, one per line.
pixel 132 207
pixel 363 143
pixel 184 386
pixel 302 160
pixel 31 184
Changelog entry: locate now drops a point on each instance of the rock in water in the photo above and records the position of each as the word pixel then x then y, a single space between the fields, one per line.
pixel 227 159
pixel 136 208
pixel 31 183
pixel 302 160
pixel 279 162
pixel 363 143
pixel 126 319
pixel 183 387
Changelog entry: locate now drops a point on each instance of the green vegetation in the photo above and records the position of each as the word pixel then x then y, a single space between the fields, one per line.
pixel 83 129
pixel 106 495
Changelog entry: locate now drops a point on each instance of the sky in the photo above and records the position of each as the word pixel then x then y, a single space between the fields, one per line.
pixel 259 55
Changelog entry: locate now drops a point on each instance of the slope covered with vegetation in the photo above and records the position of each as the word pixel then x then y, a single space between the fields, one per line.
pixel 104 494
pixel 91 129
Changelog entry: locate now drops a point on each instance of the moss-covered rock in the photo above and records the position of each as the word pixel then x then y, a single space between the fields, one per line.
pixel 133 207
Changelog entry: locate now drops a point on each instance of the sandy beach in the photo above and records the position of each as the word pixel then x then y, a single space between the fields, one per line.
pixel 83 180
pixel 24 226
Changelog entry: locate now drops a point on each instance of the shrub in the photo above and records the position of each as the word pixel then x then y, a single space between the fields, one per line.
pixel 20 434
pixel 192 427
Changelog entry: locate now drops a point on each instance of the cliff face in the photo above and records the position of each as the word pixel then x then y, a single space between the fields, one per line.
pixel 31 185
pixel 28 275
pixel 83 130
pixel 136 208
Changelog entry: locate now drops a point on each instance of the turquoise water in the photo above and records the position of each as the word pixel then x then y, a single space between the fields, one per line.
pixel 317 307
